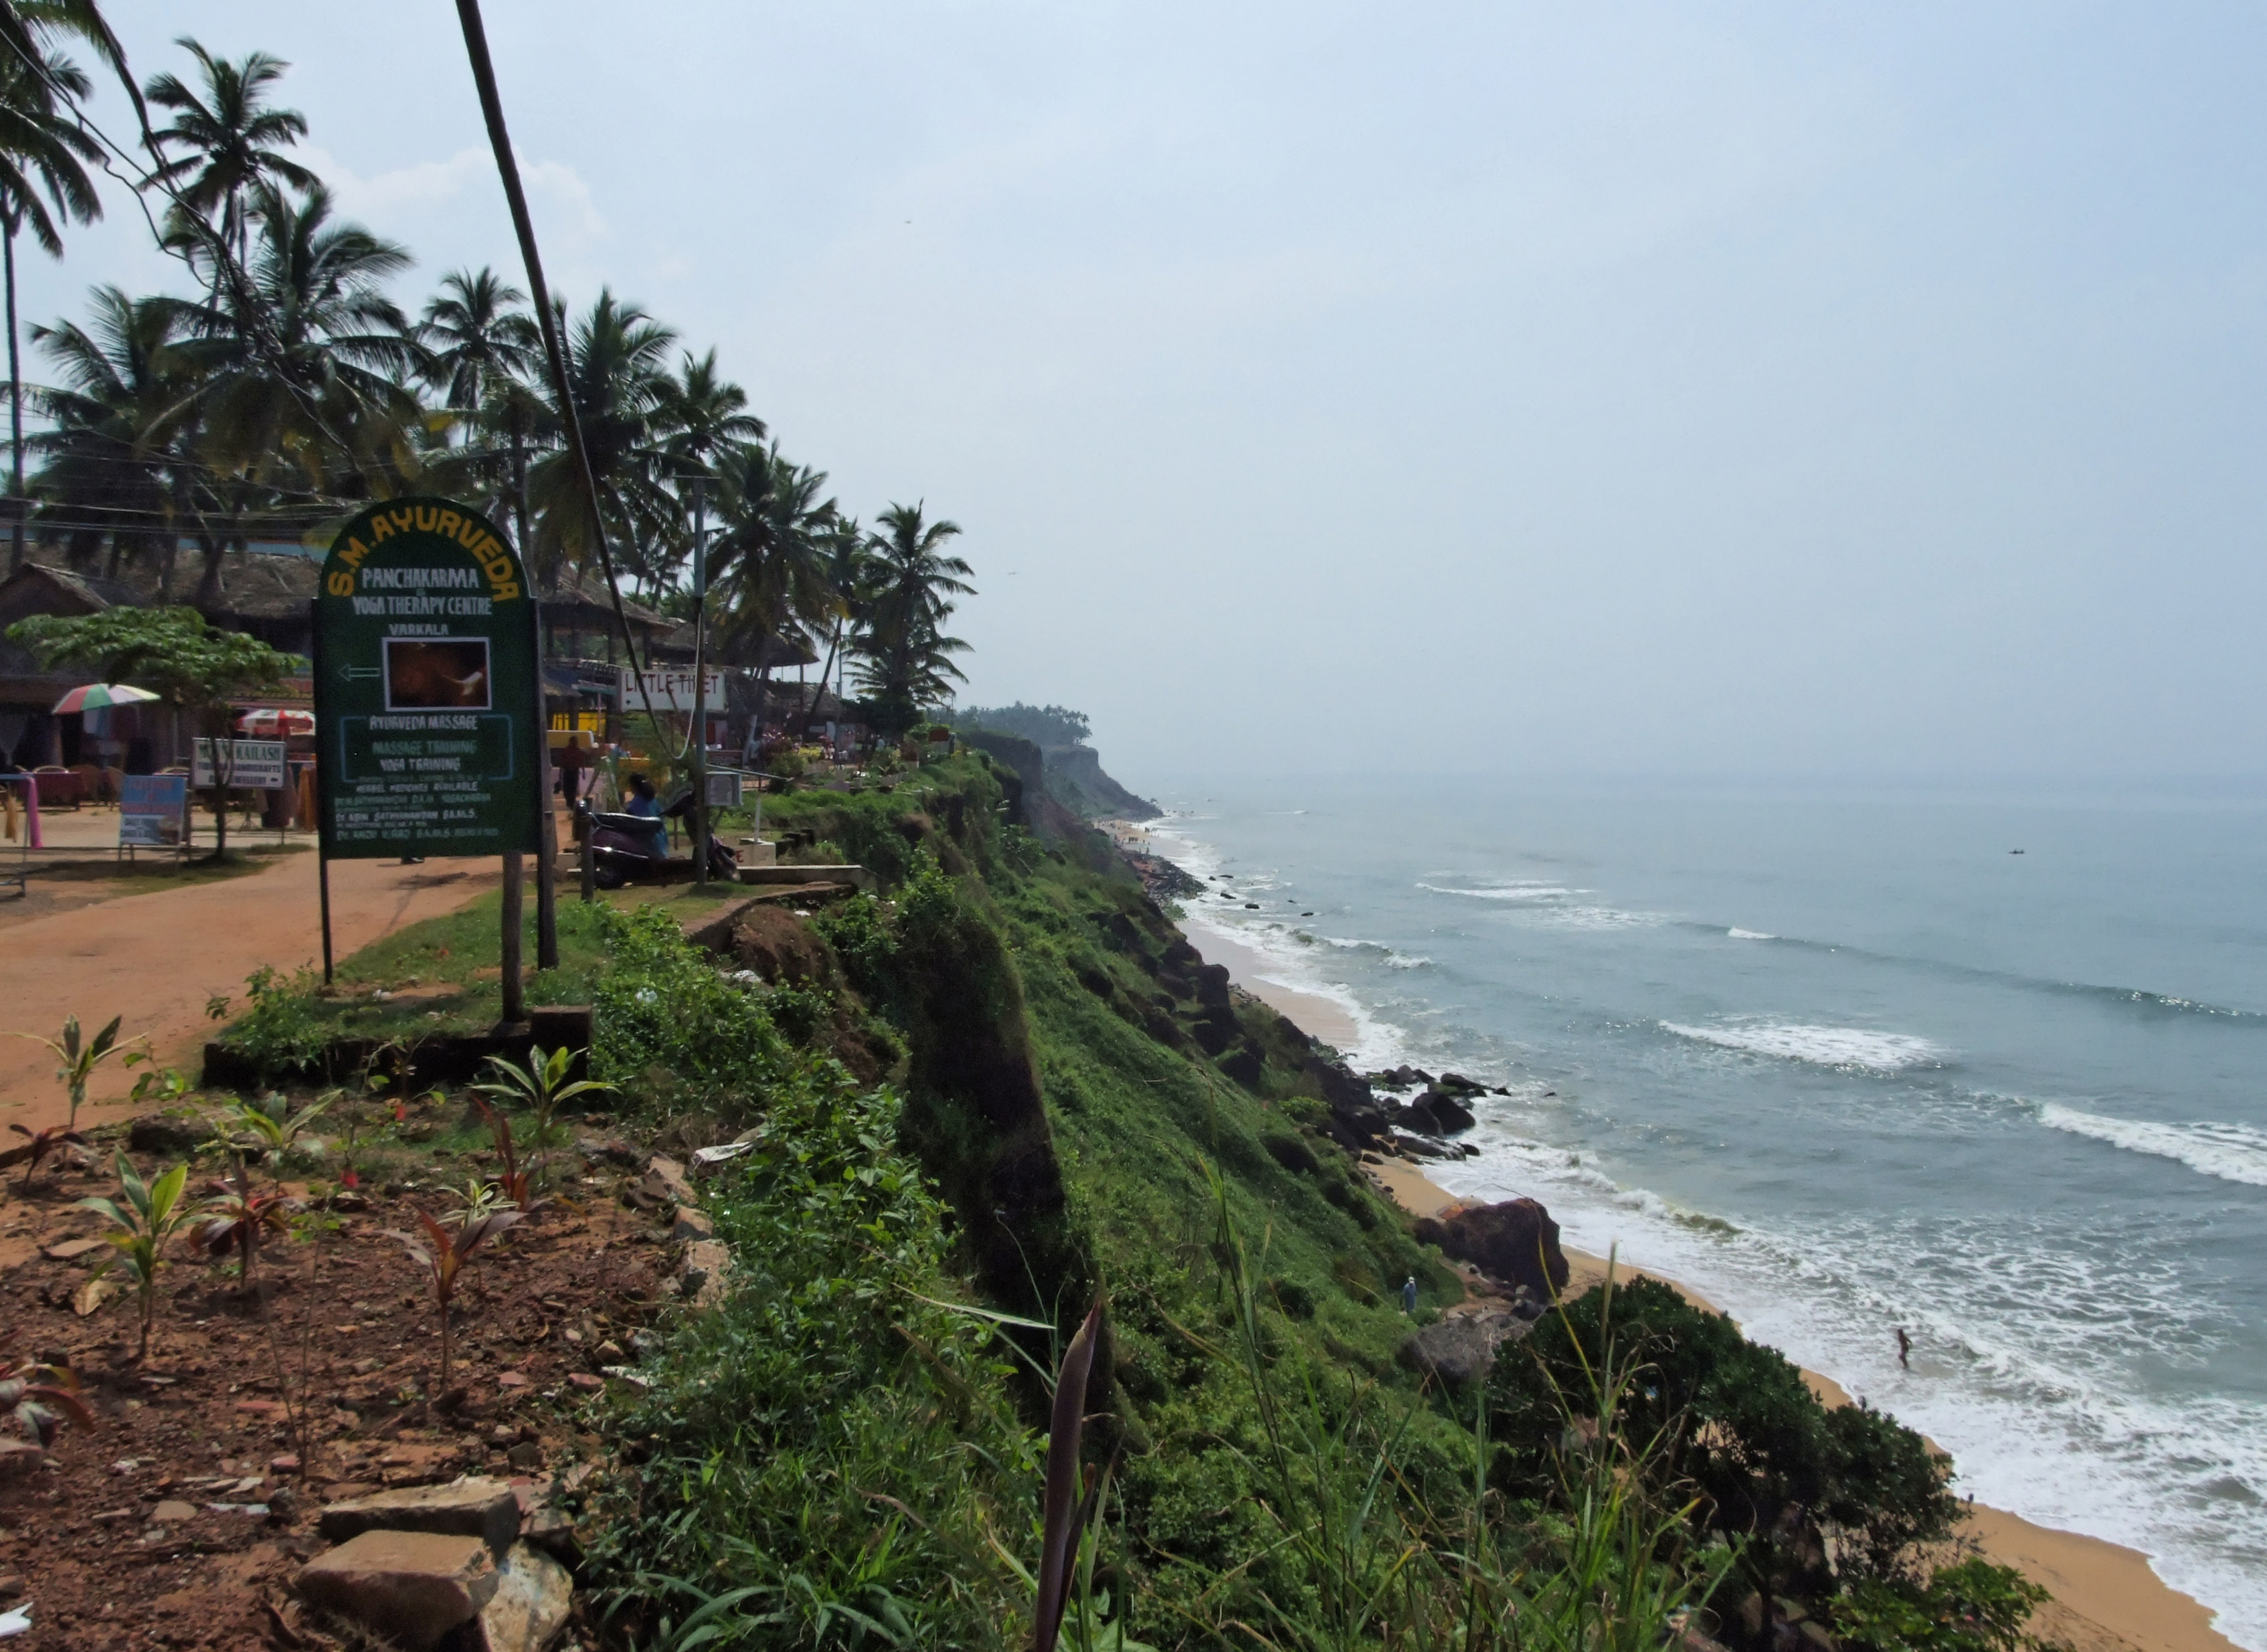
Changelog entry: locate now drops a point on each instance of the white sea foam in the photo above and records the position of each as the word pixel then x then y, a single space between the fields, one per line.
pixel 1823 1046
pixel 1516 890
pixel 2020 1343
pixel 2233 1152
pixel 1749 935
pixel 1404 960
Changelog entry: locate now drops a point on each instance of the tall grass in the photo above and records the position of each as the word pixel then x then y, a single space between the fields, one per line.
pixel 1358 1559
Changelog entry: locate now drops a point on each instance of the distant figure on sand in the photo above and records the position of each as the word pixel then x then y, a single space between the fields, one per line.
pixel 1905 1349
pixel 1409 1294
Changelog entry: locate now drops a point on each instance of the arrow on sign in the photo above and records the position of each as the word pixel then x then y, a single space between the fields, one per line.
pixel 360 674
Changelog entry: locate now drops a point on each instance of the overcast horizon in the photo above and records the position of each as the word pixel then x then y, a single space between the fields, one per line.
pixel 1640 390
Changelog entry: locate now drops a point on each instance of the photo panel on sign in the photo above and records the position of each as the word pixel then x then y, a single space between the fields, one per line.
pixel 438 673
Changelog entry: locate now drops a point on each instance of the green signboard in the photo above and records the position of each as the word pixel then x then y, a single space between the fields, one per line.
pixel 427 691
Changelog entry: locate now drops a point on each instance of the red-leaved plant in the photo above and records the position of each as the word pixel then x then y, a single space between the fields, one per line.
pixel 444 1253
pixel 236 1217
pixel 30 1393
pixel 36 1147
pixel 1065 1511
pixel 513 1184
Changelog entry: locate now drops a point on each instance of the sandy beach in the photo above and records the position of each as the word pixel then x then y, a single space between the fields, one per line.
pixel 2106 1597
pixel 1309 1011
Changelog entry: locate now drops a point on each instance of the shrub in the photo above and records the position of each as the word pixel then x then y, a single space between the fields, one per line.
pixel 665 1018
pixel 862 944
pixel 283 1032
pixel 830 1441
pixel 1973 1606
pixel 1743 1428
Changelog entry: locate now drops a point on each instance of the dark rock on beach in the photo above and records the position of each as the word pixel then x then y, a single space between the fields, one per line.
pixel 1438 1112
pixel 1516 1242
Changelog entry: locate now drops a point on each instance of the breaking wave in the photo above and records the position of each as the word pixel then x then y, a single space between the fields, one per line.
pixel 1823 1046
pixel 2233 1152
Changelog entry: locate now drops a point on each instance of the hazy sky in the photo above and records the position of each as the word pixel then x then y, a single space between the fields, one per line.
pixel 1700 389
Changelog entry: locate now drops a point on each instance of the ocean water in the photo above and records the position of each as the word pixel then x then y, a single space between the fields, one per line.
pixel 1844 1062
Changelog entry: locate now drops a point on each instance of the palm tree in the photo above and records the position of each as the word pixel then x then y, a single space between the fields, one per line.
pixel 311 399
pixel 618 379
pixel 701 412
pixel 908 658
pixel 480 348
pixel 232 142
pixel 847 568
pixel 42 152
pixel 768 558
pixel 122 425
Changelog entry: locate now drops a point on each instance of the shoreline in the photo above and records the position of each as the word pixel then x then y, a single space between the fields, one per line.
pixel 2107 1597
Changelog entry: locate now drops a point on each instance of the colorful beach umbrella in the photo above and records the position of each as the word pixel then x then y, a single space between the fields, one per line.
pixel 100 697
pixel 269 722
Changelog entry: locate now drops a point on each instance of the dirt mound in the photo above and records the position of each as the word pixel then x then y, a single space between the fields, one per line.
pixel 781 947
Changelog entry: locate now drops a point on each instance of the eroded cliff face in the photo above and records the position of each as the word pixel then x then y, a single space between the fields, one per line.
pixel 1076 779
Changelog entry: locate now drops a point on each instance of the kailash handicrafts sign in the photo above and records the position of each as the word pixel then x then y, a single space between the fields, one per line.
pixel 427 695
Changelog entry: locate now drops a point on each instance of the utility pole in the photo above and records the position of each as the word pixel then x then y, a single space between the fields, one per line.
pixel 700 741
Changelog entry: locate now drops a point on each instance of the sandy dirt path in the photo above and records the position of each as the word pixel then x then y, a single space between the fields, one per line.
pixel 157 959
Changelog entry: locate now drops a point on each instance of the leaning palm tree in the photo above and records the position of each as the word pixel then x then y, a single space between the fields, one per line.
pixel 226 142
pixel 42 158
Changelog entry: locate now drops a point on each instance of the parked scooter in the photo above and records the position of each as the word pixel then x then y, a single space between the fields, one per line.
pixel 623 849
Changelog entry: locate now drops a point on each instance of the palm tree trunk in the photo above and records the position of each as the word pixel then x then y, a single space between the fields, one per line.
pixel 833 646
pixel 15 406
pixel 519 499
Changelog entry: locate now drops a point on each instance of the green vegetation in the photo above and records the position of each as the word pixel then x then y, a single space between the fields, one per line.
pixel 285 386
pixel 198 669
pixel 141 1226
pixel 1059 1106
pixel 834 1456
pixel 1049 728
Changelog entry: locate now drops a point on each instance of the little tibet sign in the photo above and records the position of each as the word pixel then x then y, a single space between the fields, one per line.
pixel 427 693
pixel 669 689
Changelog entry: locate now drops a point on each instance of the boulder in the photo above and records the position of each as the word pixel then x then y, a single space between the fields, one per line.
pixel 664 1180
pixel 1418 1147
pixel 472 1508
pixel 1458 1084
pixel 1245 1066
pixel 410 1587
pixel 1457 1352
pixel 167 1135
pixel 701 1276
pixel 544 1523
pixel 1437 1112
pixel 1358 1118
pixel 534 1596
pixel 692 1224
pixel 598 1149
pixel 1516 1242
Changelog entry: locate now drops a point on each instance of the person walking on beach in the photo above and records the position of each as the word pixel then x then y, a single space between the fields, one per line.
pixel 1905 1349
